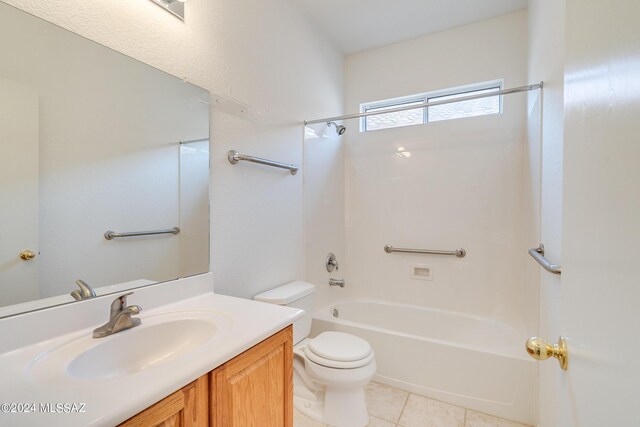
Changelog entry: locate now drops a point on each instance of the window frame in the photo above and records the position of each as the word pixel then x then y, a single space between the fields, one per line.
pixel 424 99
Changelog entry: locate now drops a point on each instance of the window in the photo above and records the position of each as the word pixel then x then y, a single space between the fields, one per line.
pixel 394 120
pixel 449 111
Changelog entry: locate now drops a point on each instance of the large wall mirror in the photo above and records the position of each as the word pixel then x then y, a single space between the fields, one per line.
pixel 90 141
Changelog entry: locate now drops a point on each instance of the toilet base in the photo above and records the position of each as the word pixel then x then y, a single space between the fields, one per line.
pixel 345 409
pixel 335 406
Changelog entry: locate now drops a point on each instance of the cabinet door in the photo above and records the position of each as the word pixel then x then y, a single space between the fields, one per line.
pixel 255 389
pixel 187 407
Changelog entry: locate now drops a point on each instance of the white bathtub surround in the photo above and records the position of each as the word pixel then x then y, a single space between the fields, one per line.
pixel 392 407
pixel 110 401
pixel 466 360
pixel 462 185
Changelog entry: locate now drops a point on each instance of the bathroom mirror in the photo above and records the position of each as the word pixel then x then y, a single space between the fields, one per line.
pixel 94 141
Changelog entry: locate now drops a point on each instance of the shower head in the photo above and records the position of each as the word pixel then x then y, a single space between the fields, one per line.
pixel 339 128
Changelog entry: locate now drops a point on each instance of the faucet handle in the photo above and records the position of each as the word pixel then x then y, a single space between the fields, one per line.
pixel 331 262
pixel 120 317
pixel 133 309
pixel 85 291
pixel 119 303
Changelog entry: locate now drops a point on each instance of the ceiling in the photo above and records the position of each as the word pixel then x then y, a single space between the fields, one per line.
pixel 359 25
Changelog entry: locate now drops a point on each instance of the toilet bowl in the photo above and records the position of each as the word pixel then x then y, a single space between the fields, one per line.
pixel 330 370
pixel 335 367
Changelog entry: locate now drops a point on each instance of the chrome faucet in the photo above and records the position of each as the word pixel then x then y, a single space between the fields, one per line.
pixel 119 318
pixel 336 282
pixel 85 291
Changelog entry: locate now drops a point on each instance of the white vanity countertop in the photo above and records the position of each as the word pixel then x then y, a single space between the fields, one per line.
pixel 110 401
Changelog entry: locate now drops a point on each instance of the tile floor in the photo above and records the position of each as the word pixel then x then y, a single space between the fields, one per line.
pixel 392 407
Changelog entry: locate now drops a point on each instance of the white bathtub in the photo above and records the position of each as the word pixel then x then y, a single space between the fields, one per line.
pixel 471 361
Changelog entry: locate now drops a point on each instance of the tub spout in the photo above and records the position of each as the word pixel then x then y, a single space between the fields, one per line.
pixel 336 282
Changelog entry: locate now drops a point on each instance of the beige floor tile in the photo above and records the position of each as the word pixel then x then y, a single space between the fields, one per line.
pixel 477 419
pixel 301 420
pixel 385 402
pixel 423 412
pixel 377 422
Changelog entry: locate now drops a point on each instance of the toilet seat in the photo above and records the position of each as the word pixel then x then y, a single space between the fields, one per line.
pixel 339 350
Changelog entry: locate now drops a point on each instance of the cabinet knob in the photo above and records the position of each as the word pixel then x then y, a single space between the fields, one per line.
pixel 540 349
pixel 27 255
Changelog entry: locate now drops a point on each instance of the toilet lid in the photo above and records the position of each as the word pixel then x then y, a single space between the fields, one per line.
pixel 340 347
pixel 312 357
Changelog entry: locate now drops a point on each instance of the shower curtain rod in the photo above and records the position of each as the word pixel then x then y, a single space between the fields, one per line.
pixel 428 104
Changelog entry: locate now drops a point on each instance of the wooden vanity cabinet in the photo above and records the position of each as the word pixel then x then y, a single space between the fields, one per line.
pixel 187 407
pixel 254 389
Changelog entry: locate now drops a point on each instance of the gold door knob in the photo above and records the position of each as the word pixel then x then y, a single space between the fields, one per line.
pixel 540 349
pixel 27 255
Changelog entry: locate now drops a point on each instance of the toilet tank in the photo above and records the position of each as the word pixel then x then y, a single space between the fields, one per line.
pixel 299 295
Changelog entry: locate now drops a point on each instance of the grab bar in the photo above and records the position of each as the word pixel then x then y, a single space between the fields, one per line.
pixel 460 253
pixel 538 255
pixel 110 235
pixel 234 157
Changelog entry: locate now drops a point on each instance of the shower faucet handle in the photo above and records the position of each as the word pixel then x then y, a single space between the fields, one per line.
pixel 331 262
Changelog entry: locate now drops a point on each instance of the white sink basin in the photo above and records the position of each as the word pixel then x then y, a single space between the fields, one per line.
pixel 141 348
pixel 160 339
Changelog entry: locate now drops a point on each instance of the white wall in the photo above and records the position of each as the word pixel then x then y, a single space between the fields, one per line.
pixel 546 62
pixel 271 63
pixel 462 185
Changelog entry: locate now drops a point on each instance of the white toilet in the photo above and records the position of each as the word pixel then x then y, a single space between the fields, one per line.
pixel 330 370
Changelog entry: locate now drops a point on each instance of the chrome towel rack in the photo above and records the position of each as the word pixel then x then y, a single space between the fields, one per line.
pixel 538 255
pixel 460 253
pixel 110 235
pixel 234 157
